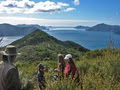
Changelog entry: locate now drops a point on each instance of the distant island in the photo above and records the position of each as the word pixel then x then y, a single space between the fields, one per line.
pixel 81 27
pixel 18 30
pixel 105 28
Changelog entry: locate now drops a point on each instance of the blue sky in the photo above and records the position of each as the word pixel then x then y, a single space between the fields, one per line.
pixel 60 12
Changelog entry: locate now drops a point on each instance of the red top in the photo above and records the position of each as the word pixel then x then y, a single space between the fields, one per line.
pixel 70 69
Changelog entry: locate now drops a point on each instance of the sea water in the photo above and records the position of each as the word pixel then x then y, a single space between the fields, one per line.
pixel 88 39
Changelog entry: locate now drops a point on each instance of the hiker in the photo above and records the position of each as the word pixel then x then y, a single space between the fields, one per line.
pixel 70 68
pixel 40 77
pixel 61 65
pixel 9 77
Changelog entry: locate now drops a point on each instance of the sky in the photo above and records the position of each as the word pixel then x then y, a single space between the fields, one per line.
pixel 60 12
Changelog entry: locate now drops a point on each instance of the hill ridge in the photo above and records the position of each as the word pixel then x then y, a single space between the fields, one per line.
pixel 39 45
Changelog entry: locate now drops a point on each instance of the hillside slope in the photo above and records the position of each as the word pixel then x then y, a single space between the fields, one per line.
pixel 40 46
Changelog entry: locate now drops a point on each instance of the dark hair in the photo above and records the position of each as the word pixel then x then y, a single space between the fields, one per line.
pixel 5 58
pixel 71 61
pixel 61 58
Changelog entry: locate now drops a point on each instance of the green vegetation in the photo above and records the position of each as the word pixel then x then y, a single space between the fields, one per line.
pixel 101 72
pixel 41 46
pixel 98 69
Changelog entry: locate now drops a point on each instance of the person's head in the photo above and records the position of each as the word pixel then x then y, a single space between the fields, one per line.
pixel 6 58
pixel 9 54
pixel 60 58
pixel 41 67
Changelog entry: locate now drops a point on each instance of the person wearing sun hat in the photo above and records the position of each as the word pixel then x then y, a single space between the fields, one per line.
pixel 9 77
pixel 70 67
pixel 59 71
pixel 61 65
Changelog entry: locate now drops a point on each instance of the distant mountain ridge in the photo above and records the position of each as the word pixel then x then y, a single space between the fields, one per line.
pixel 23 29
pixel 33 25
pixel 105 28
pixel 18 30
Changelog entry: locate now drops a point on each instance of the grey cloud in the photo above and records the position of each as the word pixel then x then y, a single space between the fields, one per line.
pixel 50 10
pixel 11 5
pixel 29 6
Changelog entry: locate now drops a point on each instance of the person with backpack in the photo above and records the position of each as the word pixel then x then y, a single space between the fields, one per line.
pixel 9 77
pixel 40 77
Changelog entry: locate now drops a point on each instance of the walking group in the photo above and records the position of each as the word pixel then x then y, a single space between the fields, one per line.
pixel 9 77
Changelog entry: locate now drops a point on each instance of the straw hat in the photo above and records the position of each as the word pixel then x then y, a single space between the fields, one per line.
pixel 60 55
pixel 10 50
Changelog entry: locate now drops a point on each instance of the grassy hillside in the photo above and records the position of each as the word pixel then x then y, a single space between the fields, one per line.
pixel 99 72
pixel 40 37
pixel 41 46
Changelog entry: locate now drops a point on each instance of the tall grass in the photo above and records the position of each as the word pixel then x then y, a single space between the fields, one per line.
pixel 100 72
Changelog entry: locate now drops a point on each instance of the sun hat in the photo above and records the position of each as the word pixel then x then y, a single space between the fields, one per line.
pixel 68 56
pixel 41 66
pixel 60 55
pixel 10 50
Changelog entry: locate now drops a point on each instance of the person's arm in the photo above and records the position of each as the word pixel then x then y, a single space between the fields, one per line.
pixel 12 80
pixel 59 69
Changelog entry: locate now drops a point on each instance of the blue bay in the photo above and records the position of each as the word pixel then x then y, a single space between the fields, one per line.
pixel 90 40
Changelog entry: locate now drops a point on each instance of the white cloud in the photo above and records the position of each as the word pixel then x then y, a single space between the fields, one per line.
pixel 1 10
pixel 26 6
pixel 47 22
pixel 47 7
pixel 70 9
pixel 76 2
pixel 62 4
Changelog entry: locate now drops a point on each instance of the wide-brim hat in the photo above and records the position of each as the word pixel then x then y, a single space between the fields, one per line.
pixel 10 50
pixel 60 55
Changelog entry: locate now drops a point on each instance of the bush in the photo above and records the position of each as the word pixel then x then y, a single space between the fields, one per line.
pixel 100 72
